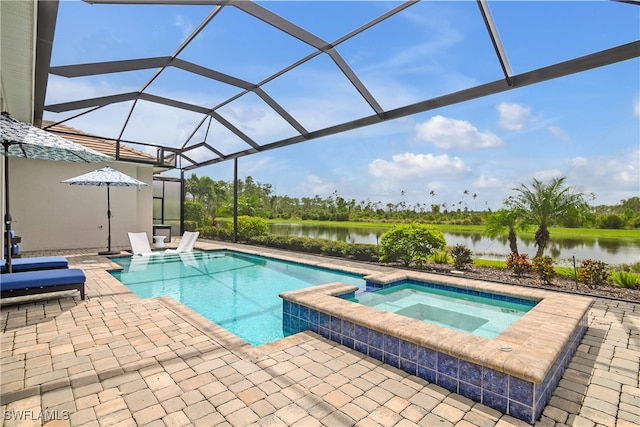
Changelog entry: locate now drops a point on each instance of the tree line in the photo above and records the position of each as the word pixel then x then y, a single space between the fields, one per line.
pixel 556 204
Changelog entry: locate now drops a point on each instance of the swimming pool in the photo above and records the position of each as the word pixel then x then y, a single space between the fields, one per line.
pixel 478 314
pixel 237 291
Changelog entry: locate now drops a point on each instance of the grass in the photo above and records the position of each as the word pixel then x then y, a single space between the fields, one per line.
pixel 561 271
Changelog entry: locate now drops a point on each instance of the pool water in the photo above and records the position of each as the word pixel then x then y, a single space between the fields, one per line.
pixel 237 291
pixel 476 314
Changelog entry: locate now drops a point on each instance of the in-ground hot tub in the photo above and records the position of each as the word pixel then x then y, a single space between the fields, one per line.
pixel 515 373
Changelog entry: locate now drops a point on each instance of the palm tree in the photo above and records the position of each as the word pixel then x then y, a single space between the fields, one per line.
pixel 543 204
pixel 504 221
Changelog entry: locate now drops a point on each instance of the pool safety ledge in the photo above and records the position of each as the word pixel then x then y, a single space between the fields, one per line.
pixel 515 373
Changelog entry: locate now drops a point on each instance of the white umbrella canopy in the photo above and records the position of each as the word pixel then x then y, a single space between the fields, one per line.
pixel 22 139
pixel 106 177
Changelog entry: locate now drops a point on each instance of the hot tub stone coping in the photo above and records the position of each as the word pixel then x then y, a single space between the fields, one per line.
pixel 535 340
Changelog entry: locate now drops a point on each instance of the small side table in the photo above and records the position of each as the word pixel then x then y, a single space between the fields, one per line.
pixel 158 241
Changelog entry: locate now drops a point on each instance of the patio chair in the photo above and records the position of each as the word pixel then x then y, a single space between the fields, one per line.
pixel 42 281
pixel 187 242
pixel 35 263
pixel 140 243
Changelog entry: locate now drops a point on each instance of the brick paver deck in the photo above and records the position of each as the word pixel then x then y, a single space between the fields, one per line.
pixel 116 359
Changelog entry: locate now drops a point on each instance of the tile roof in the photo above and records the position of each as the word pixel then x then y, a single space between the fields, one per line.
pixel 106 146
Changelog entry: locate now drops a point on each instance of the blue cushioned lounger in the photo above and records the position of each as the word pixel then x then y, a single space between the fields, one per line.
pixel 41 281
pixel 35 263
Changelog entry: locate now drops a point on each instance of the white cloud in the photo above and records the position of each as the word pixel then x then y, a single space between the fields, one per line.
pixel 558 133
pixel 579 161
pixel 636 106
pixel 487 182
pixel 315 185
pixel 184 25
pixel 410 166
pixel 449 133
pixel 513 116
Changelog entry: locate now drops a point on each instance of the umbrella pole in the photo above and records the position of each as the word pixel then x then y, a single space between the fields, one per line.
pixel 7 215
pixel 108 251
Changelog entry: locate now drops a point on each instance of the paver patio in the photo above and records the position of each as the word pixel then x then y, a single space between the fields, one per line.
pixel 116 359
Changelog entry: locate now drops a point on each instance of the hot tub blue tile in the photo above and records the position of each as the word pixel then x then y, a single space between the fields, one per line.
pixel 471 373
pixel 494 401
pixel 392 359
pixel 408 350
pixel 447 365
pixel 521 391
pixel 348 342
pixel 295 323
pixel 521 411
pixel 470 391
pixel 348 329
pixel 362 334
pixel 313 327
pixel 304 313
pixel 361 347
pixel 427 374
pixel 408 366
pixel 324 332
pixel 376 339
pixel 376 353
pixel 428 358
pixel 335 336
pixel 391 345
pixel 497 382
pixel 286 307
pixel 313 316
pixel 447 382
pixel 336 324
pixel 324 320
pixel 295 309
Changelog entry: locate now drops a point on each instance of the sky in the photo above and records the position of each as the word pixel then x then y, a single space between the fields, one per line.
pixel 584 126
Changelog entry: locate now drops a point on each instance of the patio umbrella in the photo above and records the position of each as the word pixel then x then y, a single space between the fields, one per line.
pixel 109 177
pixel 25 140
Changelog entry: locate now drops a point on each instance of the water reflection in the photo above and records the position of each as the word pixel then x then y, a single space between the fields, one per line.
pixel 611 251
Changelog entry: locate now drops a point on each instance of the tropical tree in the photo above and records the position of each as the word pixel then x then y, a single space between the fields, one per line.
pixel 542 204
pixel 501 222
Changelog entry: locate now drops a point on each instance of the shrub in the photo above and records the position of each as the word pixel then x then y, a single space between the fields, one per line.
pixel 593 273
pixel 194 211
pixel 215 233
pixel 440 257
pixel 543 265
pixel 363 252
pixel 519 264
pixel 410 243
pixel 461 256
pixel 626 279
pixel 612 221
pixel 335 248
pixel 190 225
pixel 250 226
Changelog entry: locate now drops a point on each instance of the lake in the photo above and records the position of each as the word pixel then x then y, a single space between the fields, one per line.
pixel 608 250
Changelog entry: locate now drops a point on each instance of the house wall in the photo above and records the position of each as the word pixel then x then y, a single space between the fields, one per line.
pixel 49 215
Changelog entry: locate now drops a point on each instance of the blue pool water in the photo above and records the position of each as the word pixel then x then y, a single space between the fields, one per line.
pixel 237 291
pixel 477 314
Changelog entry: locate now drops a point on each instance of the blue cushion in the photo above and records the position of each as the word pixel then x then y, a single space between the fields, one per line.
pixel 41 279
pixel 36 263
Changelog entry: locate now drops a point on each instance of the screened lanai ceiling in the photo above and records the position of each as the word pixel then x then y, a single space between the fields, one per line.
pixel 202 82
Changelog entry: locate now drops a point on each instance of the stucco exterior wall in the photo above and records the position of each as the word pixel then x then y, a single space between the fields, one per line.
pixel 49 215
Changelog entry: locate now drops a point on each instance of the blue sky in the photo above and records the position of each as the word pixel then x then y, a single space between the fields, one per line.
pixel 585 126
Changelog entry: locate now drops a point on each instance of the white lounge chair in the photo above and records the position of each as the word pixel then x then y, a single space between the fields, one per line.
pixel 187 242
pixel 140 243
